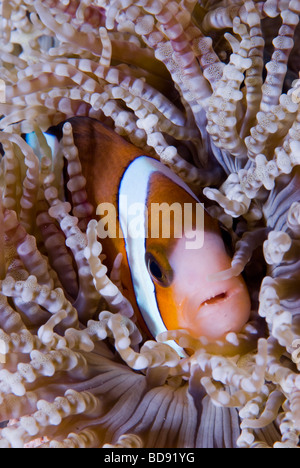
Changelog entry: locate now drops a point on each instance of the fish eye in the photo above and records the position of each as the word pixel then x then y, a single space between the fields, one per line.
pixel 155 270
pixel 159 274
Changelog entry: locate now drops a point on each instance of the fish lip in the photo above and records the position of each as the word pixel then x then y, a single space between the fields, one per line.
pixel 214 299
pixel 219 298
pixel 203 309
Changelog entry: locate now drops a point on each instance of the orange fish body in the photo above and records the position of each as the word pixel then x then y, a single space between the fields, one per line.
pixel 104 156
pixel 164 277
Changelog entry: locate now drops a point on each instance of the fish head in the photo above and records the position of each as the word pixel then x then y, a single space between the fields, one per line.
pixel 182 264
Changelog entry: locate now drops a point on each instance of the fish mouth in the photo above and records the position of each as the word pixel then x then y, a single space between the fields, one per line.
pixel 219 304
pixel 216 299
pixel 218 312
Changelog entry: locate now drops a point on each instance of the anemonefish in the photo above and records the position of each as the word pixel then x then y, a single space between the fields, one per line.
pixel 165 279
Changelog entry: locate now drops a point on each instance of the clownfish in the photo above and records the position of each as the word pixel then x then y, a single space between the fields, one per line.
pixel 164 277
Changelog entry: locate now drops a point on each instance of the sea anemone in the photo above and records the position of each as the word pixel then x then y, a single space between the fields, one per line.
pixel 212 88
